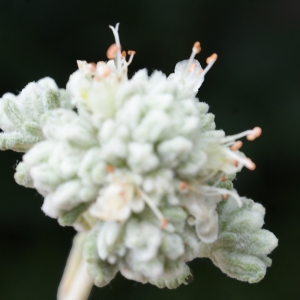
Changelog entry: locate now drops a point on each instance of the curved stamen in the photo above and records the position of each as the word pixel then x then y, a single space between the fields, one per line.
pixel 207 190
pixel 153 207
pixel 210 61
pixel 131 53
pixel 211 191
pixel 236 146
pixel 251 135
pixel 256 132
pixel 247 162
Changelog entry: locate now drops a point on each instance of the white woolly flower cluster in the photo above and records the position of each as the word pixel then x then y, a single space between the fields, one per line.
pixel 140 166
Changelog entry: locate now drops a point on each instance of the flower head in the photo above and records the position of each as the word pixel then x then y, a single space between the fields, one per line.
pixel 139 165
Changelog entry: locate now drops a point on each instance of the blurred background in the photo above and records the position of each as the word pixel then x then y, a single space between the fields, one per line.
pixel 255 82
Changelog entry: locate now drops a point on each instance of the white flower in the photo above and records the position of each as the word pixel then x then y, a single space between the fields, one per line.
pixel 116 201
pixel 140 127
pixel 139 163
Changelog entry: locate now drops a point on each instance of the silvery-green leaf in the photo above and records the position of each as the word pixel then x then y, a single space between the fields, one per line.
pixel 20 115
pixel 172 283
pixel 242 246
pixel 68 218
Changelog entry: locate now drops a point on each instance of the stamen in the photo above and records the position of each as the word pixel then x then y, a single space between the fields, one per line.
pixel 210 61
pixel 156 211
pixel 256 132
pixel 124 54
pixel 112 51
pixel 131 53
pixel 223 179
pixel 250 164
pixel 210 191
pixel 163 224
pixel 236 146
pixel 183 185
pixel 225 196
pixel 109 169
pixel 247 162
pixel 192 67
pixel 197 47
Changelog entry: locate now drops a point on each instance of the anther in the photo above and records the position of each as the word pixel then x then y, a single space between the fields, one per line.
pixel 123 53
pixel 112 51
pixel 236 163
pixel 211 59
pixel 225 196
pixel 250 164
pixel 223 179
pixel 154 208
pixel 183 185
pixel 236 146
pixel 192 67
pixel 164 222
pixel 197 47
pixel 122 194
pixel 131 52
pixel 109 169
pixel 256 132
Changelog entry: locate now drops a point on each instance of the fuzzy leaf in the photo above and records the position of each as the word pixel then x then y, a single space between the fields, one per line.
pixel 242 246
pixel 20 115
pixel 172 283
pixel 68 218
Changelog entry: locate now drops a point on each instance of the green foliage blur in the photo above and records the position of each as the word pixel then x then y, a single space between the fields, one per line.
pixel 255 82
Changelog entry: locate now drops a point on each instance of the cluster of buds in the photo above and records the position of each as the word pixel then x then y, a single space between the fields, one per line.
pixel 138 168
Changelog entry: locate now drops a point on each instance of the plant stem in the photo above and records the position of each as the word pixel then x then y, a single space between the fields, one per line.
pixel 76 284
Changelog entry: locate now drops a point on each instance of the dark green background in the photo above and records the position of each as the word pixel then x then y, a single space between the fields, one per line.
pixel 254 82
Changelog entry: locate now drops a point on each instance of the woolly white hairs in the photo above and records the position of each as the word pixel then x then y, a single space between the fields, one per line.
pixel 138 168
